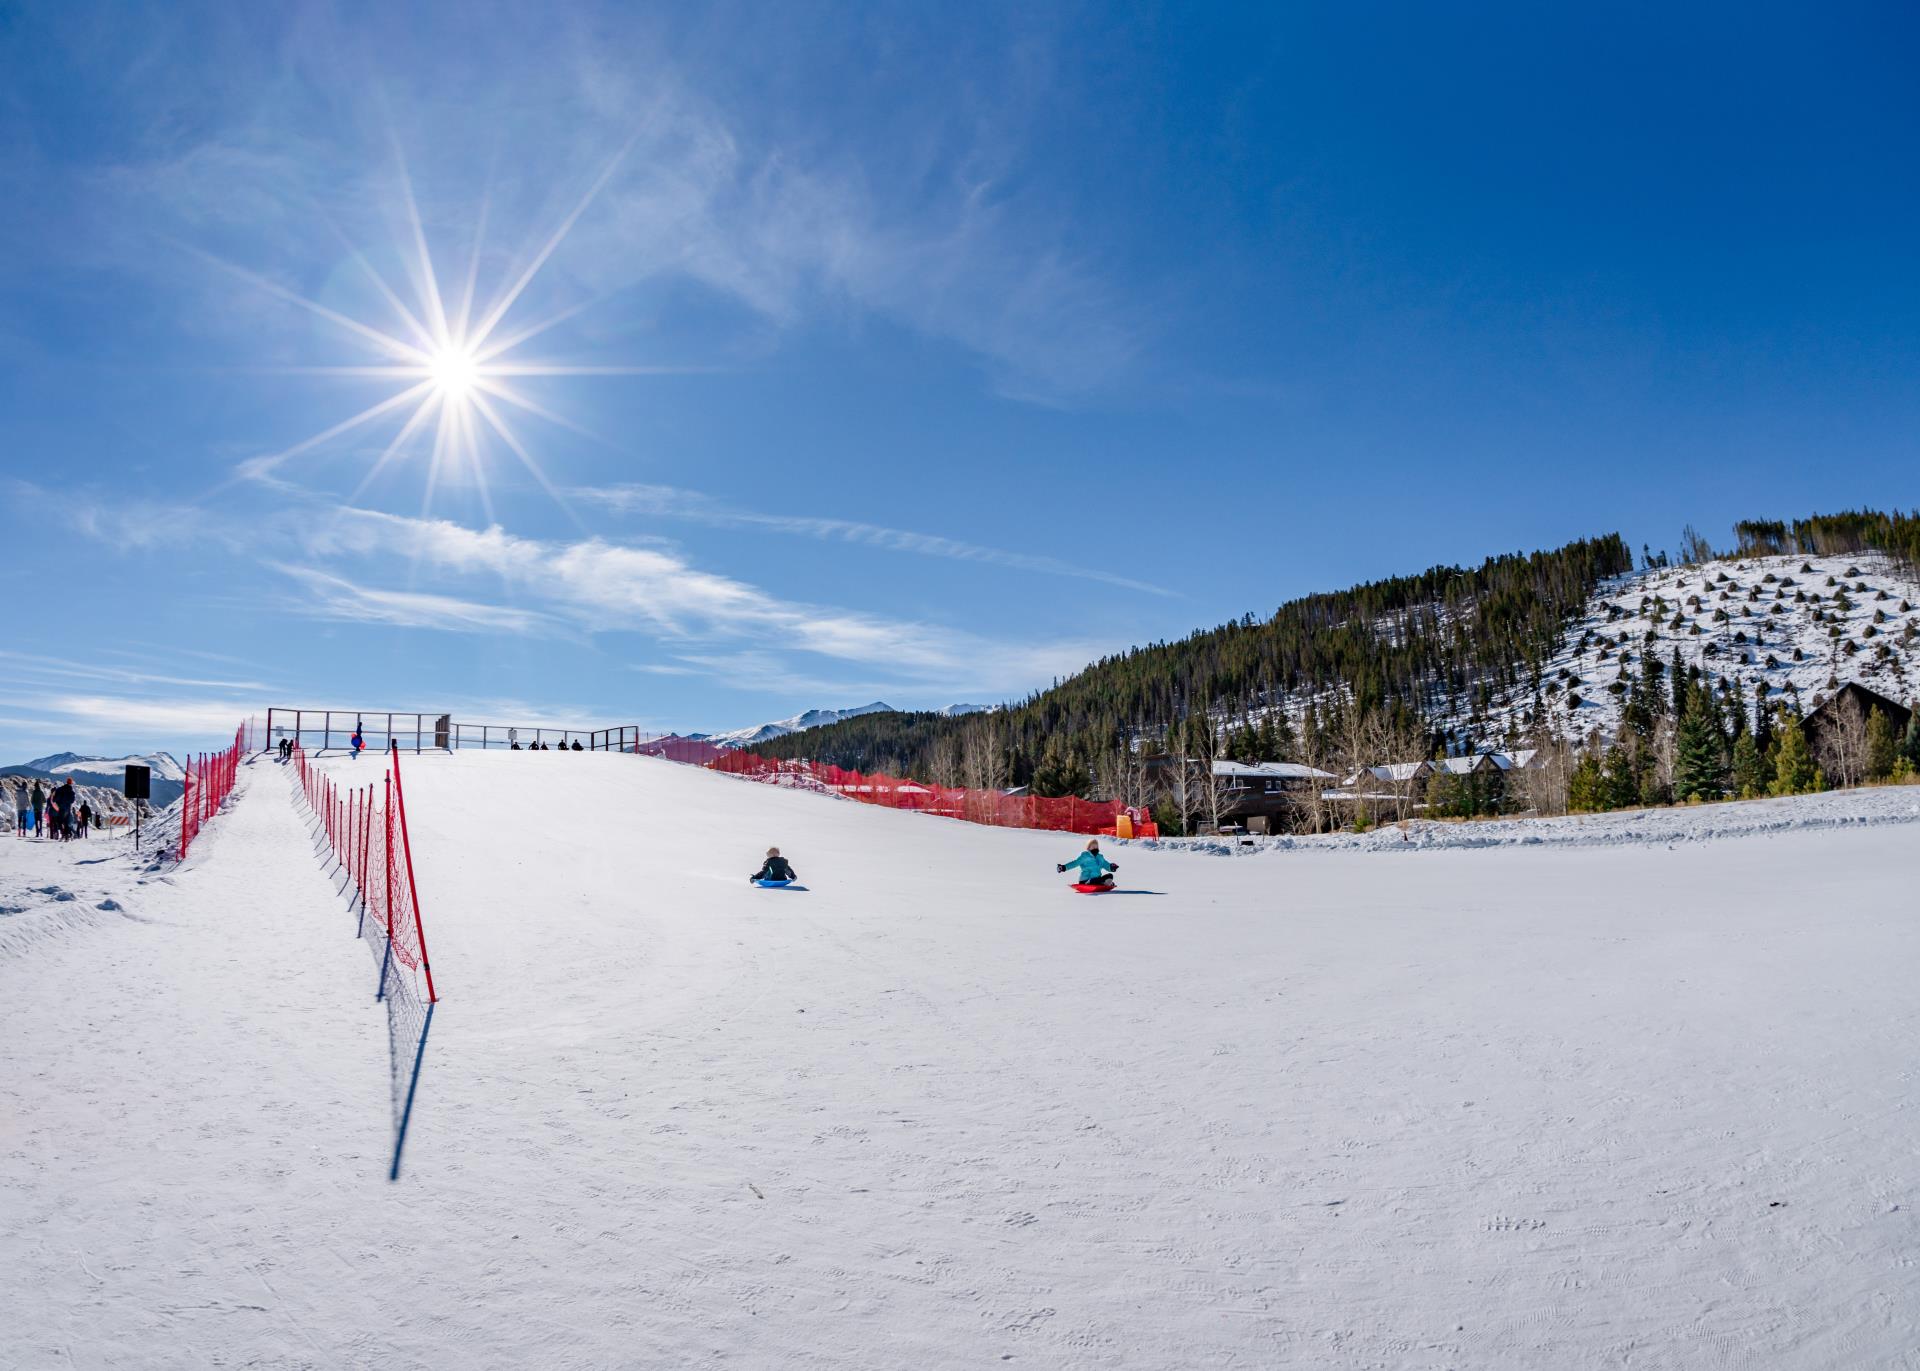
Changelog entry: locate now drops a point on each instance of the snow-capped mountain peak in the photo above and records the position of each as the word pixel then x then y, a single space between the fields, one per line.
pixel 815 718
pixel 779 728
pixel 165 765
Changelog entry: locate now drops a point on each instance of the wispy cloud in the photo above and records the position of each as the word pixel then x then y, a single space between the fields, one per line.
pixel 128 523
pixel 335 597
pixel 930 221
pixel 29 668
pixel 597 586
pixel 690 506
pixel 112 724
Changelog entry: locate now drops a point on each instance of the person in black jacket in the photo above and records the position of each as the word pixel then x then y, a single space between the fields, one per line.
pixel 775 868
pixel 60 807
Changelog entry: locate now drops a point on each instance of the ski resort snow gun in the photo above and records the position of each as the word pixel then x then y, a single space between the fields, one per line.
pixel 209 779
pixel 1067 814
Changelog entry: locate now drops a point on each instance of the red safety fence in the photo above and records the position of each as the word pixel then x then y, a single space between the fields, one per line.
pixel 209 779
pixel 366 826
pixel 1068 814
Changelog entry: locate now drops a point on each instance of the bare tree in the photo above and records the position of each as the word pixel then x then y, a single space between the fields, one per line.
pixel 1191 787
pixel 1842 747
pixel 1542 785
pixel 945 764
pixel 1182 787
pixel 1220 791
pixel 983 752
pixel 1315 809
pixel 1125 773
pixel 1394 743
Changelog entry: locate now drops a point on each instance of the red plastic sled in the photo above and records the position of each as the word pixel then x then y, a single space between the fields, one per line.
pixel 1092 889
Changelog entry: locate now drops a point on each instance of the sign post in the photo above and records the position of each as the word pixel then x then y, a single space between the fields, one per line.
pixel 137 787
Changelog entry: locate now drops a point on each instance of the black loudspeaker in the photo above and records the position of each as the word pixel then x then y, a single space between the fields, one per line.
pixel 139 783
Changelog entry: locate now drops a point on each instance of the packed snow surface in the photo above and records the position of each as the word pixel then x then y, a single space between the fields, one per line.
pixel 1523 1106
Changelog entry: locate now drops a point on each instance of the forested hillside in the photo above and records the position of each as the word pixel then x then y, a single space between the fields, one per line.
pixel 1394 669
pixel 1408 649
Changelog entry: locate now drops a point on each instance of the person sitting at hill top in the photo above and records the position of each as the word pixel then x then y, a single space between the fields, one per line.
pixel 1090 867
pixel 775 868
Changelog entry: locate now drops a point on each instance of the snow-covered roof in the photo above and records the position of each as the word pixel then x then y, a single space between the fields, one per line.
pixel 1400 771
pixel 1467 765
pixel 1271 771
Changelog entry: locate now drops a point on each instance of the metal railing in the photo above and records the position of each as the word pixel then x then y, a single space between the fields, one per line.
pixel 318 731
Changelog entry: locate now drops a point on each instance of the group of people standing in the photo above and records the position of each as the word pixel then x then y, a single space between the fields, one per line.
pixel 58 814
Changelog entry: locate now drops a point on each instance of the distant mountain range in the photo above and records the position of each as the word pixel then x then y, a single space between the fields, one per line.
pixel 813 718
pixel 108 773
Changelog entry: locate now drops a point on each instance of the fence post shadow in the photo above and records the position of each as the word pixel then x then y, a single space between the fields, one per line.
pixel 413 1085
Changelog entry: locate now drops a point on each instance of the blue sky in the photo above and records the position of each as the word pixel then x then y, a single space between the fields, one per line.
pixel 895 352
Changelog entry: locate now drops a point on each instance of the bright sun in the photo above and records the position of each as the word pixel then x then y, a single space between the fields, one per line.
pixel 454 370
pixel 455 362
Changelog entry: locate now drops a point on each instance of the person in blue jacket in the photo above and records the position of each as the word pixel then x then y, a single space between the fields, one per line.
pixel 1090 867
pixel 357 742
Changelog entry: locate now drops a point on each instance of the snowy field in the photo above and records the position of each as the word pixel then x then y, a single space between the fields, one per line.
pixel 1643 1104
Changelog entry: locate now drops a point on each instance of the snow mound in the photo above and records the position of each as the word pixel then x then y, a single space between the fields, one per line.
pixel 1873 807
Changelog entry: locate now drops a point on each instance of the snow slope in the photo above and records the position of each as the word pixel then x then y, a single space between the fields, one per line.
pixel 1513 1107
pixel 1759 627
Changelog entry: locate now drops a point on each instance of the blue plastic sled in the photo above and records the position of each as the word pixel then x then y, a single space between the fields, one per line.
pixel 779 885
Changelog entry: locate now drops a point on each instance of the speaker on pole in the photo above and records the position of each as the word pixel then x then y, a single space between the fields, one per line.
pixel 138 788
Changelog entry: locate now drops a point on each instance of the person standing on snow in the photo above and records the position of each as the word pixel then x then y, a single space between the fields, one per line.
pixel 60 809
pixel 38 804
pixel 775 868
pixel 357 742
pixel 1091 867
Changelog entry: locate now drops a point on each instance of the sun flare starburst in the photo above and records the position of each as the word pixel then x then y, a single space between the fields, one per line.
pixel 454 370
pixel 457 365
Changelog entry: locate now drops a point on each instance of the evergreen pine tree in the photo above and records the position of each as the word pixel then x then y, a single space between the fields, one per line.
pixel 1622 790
pixel 1696 760
pixel 1793 770
pixel 1747 780
pixel 1585 786
pixel 1910 744
pixel 1443 790
pixel 1677 683
pixel 1881 751
pixel 1284 742
pixel 1637 715
pixel 1262 750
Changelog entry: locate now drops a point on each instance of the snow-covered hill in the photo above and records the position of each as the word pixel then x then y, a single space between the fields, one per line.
pixel 1798 624
pixel 1517 1107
